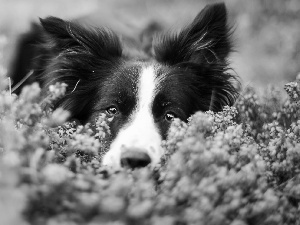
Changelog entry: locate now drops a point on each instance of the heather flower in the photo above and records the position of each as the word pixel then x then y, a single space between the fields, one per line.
pixel 55 174
pixel 57 91
pixel 85 143
pixel 10 138
pixel 6 102
pixel 11 158
pixel 31 94
pixel 293 90
pixel 238 166
pixel 58 117
pixel 102 126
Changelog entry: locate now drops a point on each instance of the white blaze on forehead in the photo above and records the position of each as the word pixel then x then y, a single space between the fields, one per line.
pixel 140 133
pixel 146 88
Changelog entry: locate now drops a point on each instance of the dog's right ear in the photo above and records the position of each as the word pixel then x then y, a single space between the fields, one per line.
pixel 56 28
pixel 79 57
pixel 61 35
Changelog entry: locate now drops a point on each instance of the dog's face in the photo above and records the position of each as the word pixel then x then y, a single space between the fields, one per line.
pixel 186 73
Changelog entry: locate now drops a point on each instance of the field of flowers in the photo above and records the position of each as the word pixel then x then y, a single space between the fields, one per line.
pixel 239 166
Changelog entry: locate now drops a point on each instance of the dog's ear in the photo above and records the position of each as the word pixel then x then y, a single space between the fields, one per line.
pixel 200 51
pixel 79 57
pixel 205 40
pixel 56 28
pixel 62 35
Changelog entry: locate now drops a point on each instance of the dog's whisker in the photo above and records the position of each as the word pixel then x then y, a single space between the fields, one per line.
pixel 75 86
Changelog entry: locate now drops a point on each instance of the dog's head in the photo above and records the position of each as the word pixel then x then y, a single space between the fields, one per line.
pixel 187 73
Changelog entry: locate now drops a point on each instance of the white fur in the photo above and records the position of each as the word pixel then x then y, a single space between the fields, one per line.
pixel 140 132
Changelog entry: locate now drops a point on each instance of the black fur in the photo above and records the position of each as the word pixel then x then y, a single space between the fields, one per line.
pixel 197 59
pixel 26 54
pixel 191 65
pixel 76 54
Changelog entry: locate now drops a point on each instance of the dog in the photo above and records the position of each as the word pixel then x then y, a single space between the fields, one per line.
pixel 142 92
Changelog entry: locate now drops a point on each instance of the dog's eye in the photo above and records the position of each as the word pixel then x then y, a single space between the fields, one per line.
pixel 170 116
pixel 112 110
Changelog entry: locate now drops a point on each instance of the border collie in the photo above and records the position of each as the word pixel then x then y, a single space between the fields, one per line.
pixel 142 93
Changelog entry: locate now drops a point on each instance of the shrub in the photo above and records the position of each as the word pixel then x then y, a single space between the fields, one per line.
pixel 239 166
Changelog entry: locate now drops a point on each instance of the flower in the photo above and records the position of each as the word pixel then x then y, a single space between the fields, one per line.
pixel 55 174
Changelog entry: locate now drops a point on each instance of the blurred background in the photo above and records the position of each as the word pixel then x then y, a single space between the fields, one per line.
pixel 267 32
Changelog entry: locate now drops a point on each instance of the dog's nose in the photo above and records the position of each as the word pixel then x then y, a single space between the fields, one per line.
pixel 134 159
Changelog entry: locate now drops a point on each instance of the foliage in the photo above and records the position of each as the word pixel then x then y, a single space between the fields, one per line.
pixel 239 166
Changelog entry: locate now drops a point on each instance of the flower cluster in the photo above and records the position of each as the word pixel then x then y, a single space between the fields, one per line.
pixel 293 89
pixel 238 166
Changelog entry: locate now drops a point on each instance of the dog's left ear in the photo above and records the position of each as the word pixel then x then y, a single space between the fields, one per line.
pixel 205 40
